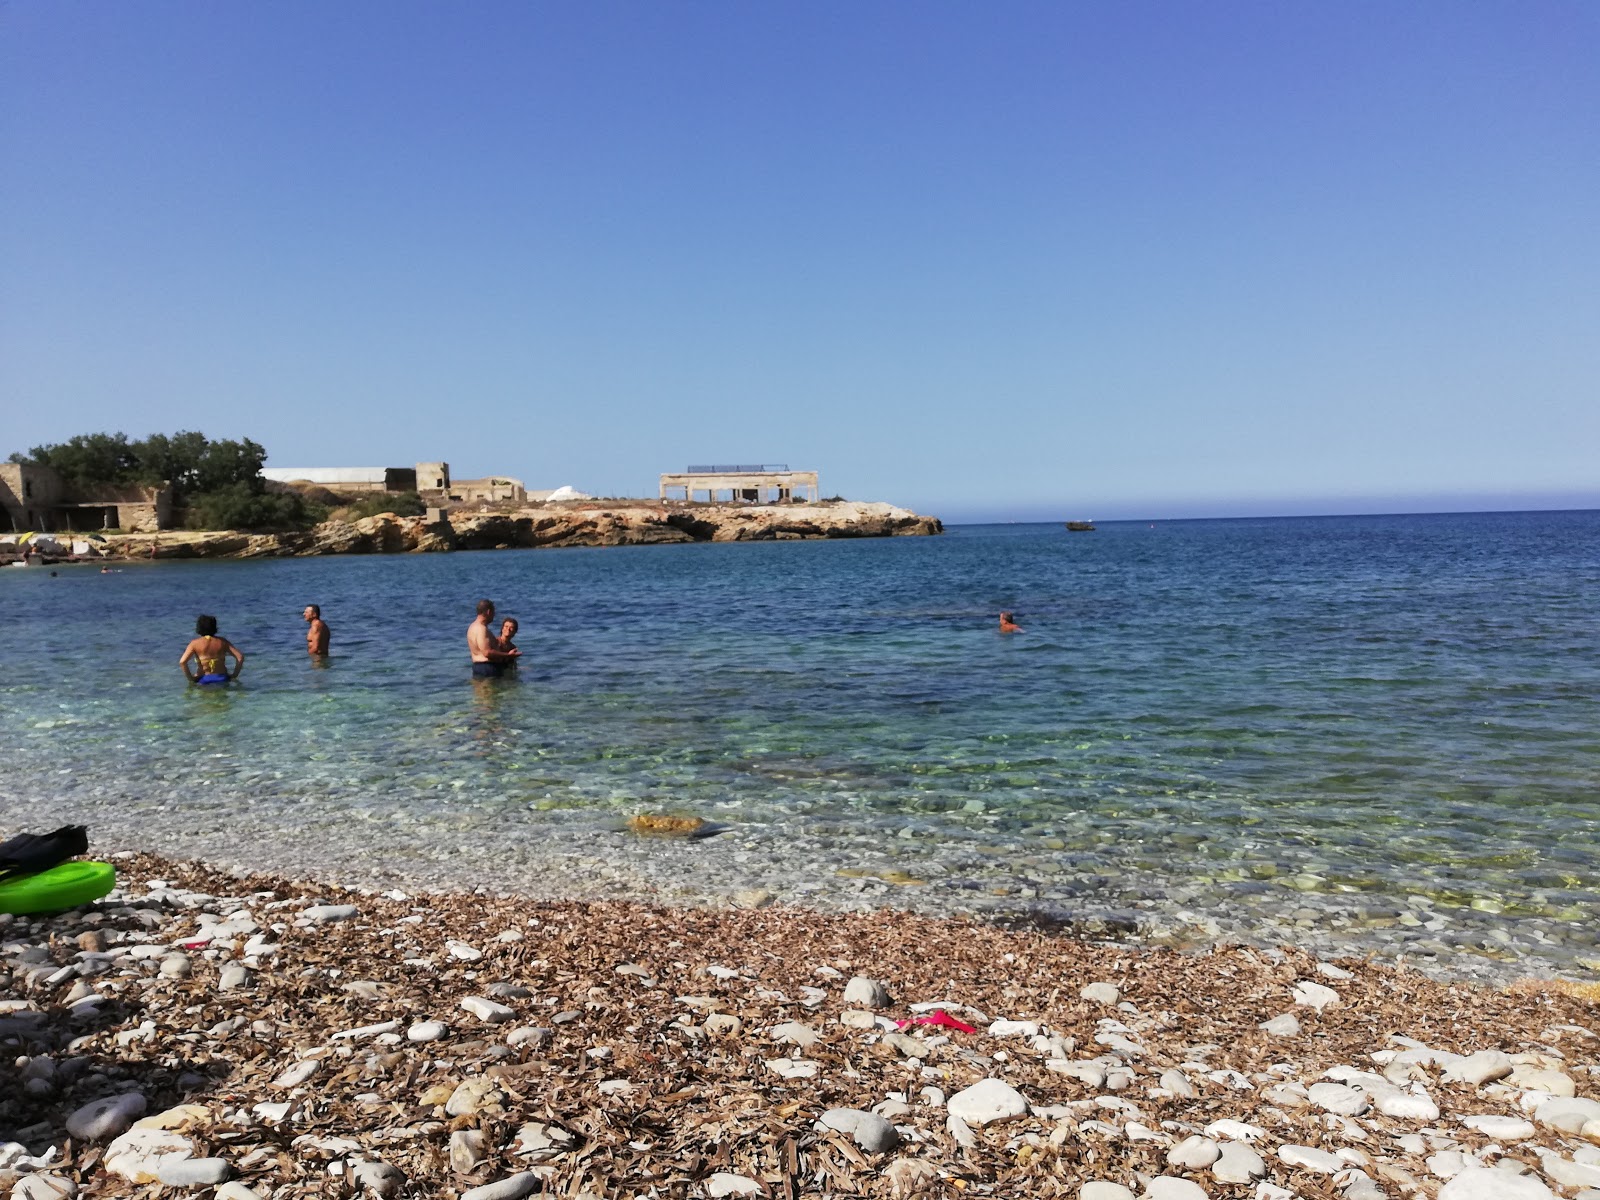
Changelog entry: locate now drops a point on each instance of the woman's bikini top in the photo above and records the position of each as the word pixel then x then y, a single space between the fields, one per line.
pixel 211 660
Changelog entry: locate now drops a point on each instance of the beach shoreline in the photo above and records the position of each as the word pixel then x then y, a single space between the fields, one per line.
pixel 313 1037
pixel 586 856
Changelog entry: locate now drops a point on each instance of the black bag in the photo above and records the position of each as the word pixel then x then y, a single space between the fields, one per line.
pixel 30 853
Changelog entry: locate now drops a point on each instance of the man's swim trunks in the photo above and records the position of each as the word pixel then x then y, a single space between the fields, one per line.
pixel 487 670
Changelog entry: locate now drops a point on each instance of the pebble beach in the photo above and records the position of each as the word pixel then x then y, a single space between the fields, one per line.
pixel 219 1034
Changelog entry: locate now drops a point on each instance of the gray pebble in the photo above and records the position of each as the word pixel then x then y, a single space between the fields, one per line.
pixel 513 1187
pixel 869 1131
pixel 323 913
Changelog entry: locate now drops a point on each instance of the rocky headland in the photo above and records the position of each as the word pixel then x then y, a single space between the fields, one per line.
pixel 243 1037
pixel 543 526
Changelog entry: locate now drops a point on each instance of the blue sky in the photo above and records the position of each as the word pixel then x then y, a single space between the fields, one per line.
pixel 1020 260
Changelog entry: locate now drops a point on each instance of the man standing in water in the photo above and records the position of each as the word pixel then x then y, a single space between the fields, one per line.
pixel 317 634
pixel 487 658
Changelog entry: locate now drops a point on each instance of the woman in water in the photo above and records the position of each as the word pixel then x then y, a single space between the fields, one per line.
pixel 210 654
pixel 508 630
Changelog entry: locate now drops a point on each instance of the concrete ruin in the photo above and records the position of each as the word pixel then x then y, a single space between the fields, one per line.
pixel 430 480
pixel 34 497
pixel 347 479
pixel 761 483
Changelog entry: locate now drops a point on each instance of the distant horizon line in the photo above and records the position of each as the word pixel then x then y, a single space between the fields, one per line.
pixel 1291 516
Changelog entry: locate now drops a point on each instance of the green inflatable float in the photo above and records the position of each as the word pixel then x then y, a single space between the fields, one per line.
pixel 66 886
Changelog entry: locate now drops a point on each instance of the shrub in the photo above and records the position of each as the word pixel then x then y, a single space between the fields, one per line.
pixel 401 504
pixel 237 506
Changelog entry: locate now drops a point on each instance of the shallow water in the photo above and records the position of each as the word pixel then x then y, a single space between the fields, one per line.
pixel 1375 734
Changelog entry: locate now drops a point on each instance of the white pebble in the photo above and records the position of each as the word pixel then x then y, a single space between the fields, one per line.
pixel 513 1187
pixel 1194 1152
pixel 487 1010
pixel 1314 995
pixel 986 1101
pixel 323 913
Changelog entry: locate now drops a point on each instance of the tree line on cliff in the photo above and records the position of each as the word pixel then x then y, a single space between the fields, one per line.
pixel 216 484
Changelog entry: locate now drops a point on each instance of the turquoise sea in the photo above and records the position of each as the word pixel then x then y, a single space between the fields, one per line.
pixel 1375 734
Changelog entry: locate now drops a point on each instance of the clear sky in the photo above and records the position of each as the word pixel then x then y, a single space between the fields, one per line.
pixel 1138 257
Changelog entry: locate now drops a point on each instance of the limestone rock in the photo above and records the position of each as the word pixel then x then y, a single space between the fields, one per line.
pixel 1100 993
pixel 1314 995
pixel 987 1101
pixel 1100 1189
pixel 1170 1187
pixel 192 1172
pixel 139 1154
pixel 1568 1114
pixel 870 1131
pixel 866 993
pixel 487 1010
pixel 1338 1098
pixel 725 1183
pixel 104 1119
pixel 1483 1067
pixel 44 1187
pixel 1312 1159
pixel 540 1140
pixel 473 1096
pixel 1194 1152
pixel 466 1150
pixel 792 1068
pixel 513 1187
pixel 323 913
pixel 1494 1185
pixel 379 1178
pixel 1501 1129
pixel 1238 1163
pixel 792 1032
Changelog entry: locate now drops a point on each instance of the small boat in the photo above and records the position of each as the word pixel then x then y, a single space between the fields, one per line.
pixel 1080 526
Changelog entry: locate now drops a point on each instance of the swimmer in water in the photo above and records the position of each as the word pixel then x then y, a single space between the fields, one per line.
pixel 508 630
pixel 488 660
pixel 1008 623
pixel 317 633
pixel 210 654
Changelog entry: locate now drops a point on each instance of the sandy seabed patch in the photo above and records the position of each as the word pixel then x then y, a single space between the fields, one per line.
pixel 219 1034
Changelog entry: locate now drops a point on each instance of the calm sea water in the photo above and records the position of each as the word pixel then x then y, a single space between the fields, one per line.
pixel 1370 733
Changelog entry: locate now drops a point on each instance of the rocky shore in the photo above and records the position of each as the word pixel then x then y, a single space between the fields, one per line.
pixel 597 524
pixel 221 1034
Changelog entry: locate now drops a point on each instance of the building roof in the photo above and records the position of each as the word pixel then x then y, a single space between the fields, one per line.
pixel 326 474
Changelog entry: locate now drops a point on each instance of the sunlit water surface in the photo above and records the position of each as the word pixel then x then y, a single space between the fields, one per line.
pixel 1367 734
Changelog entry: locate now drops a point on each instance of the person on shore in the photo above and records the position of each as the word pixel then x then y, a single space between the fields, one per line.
pixel 317 632
pixel 508 631
pixel 1008 623
pixel 488 659
pixel 210 653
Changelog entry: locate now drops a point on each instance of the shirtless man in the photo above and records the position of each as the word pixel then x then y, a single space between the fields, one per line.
pixel 1008 623
pixel 487 658
pixel 317 633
